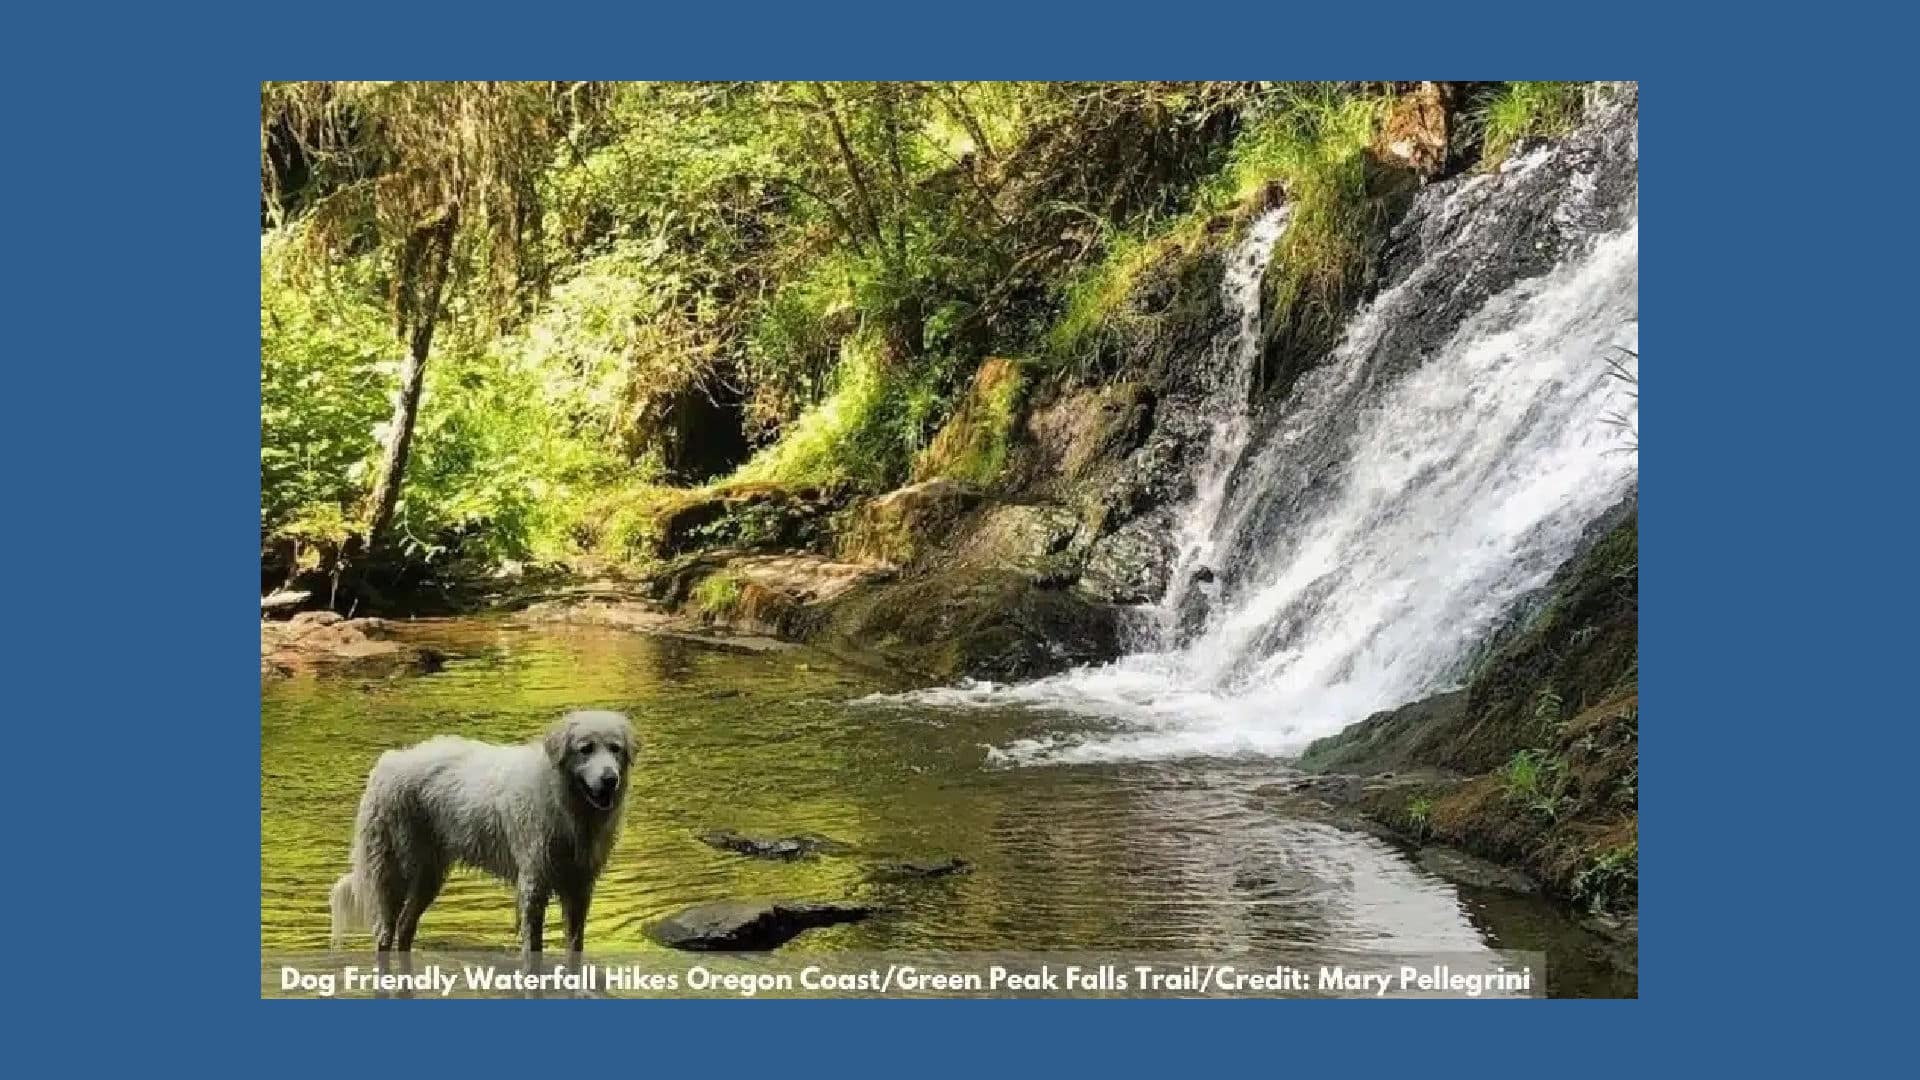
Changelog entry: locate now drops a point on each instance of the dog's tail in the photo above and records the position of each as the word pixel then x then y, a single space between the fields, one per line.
pixel 349 906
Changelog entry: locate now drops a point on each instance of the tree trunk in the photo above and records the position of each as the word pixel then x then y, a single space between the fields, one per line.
pixel 422 278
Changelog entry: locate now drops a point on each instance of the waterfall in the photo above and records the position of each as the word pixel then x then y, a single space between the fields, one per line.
pixel 1195 532
pixel 1413 490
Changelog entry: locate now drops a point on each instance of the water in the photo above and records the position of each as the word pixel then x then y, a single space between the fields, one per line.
pixel 1195 534
pixel 1141 857
pixel 1369 534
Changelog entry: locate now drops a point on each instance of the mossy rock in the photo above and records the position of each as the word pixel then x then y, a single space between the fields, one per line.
pixel 1581 648
pixel 964 621
pixel 897 526
pixel 1391 740
pixel 974 444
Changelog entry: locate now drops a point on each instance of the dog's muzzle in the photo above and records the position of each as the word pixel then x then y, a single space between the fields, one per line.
pixel 599 793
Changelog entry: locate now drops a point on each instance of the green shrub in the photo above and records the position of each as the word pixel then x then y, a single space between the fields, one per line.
pixel 1420 814
pixel 1536 779
pixel 1611 876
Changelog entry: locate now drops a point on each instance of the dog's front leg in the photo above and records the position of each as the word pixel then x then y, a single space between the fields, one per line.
pixel 574 900
pixel 533 916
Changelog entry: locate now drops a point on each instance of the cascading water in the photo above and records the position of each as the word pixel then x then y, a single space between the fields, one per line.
pixel 1239 350
pixel 1410 492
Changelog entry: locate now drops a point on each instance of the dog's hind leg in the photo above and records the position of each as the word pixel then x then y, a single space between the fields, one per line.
pixel 422 890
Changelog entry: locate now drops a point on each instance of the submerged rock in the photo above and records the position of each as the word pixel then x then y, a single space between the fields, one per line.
pixel 1464 869
pixel 922 869
pixel 804 846
pixel 750 925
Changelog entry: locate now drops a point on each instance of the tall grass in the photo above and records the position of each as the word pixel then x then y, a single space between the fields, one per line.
pixel 1521 109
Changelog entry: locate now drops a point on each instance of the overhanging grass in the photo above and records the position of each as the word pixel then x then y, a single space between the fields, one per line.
pixel 844 438
pixel 1521 109
pixel 1313 145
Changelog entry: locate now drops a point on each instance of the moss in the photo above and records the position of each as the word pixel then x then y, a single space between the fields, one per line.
pixel 639 526
pixel 716 595
pixel 897 526
pixel 974 445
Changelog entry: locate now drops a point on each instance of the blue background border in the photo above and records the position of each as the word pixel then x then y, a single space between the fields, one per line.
pixel 133 529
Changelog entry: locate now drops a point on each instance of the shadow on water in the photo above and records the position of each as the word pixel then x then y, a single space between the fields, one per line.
pixel 1163 856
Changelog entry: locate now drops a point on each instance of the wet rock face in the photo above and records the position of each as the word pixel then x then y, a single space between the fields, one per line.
pixel 750 925
pixel 1486 231
pixel 1131 565
pixel 1460 242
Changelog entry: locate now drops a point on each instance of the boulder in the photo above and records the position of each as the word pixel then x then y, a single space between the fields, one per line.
pixel 750 925
pixel 895 527
pixel 997 623
pixel 1130 566
pixel 1415 131
pixel 313 640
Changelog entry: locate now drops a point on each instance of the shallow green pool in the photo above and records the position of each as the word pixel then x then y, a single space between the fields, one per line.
pixel 1159 857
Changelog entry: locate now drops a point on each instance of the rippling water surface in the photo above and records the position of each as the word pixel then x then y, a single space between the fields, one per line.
pixel 1137 857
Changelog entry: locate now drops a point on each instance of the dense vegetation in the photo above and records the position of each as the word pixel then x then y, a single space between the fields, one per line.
pixel 518 320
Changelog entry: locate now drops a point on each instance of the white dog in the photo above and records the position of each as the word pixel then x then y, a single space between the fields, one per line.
pixel 542 816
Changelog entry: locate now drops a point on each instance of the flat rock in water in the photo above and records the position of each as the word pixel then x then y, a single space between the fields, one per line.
pixel 804 846
pixel 1462 868
pixel 916 869
pixel 750 925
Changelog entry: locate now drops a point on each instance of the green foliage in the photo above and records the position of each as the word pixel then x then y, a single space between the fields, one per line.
pixel 1548 708
pixel 1522 109
pixel 716 596
pixel 832 262
pixel 973 446
pixel 1537 779
pixel 848 437
pixel 1612 876
pixel 1307 142
pixel 1316 149
pixel 325 360
pixel 1420 814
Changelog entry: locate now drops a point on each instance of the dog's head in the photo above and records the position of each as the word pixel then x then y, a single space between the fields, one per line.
pixel 594 751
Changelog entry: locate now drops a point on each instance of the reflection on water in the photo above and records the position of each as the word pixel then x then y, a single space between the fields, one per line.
pixel 1141 857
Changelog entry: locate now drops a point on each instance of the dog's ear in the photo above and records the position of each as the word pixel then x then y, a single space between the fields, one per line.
pixel 556 741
